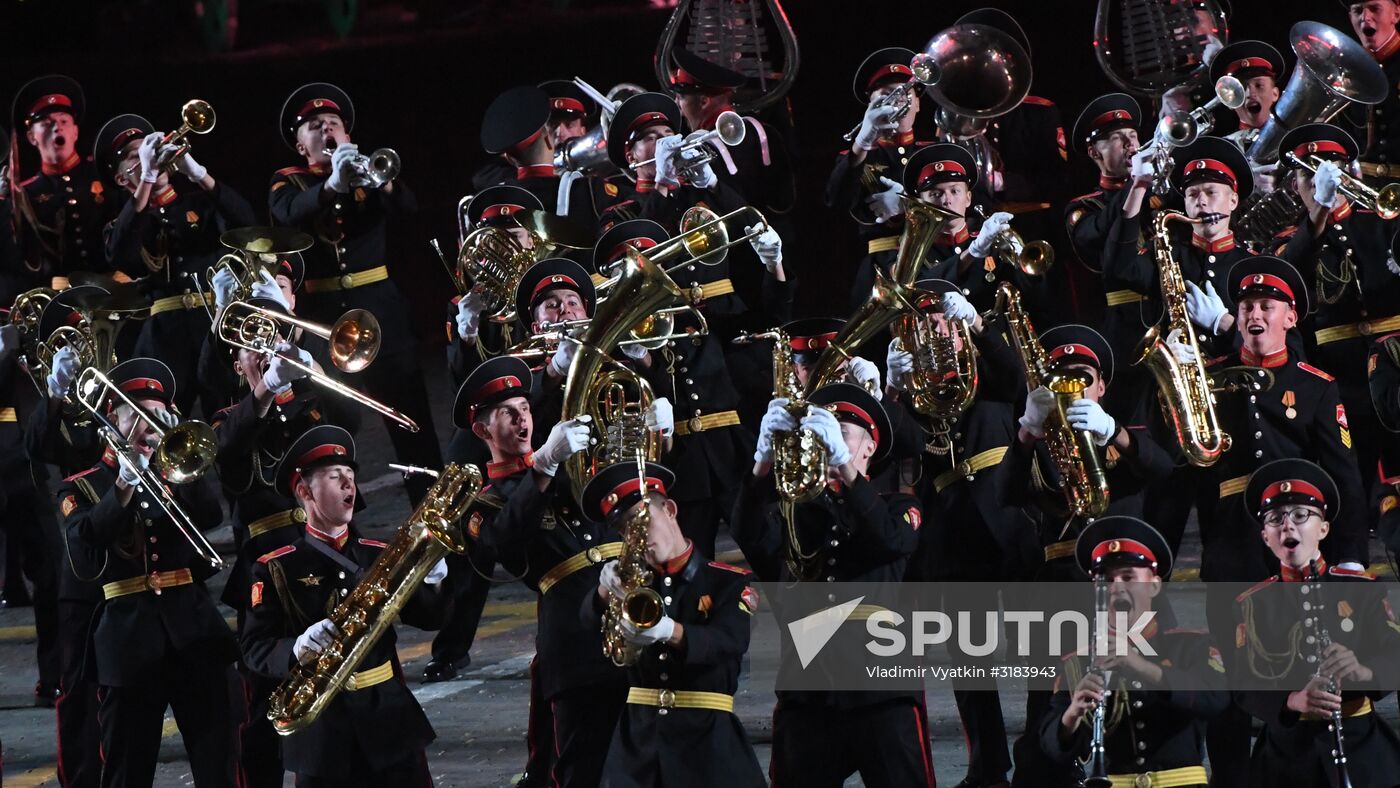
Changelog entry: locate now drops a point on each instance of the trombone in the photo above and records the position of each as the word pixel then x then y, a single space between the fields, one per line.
pixel 196 117
pixel 354 342
pixel 380 167
pixel 1384 201
pixel 729 130
pixel 651 332
pixel 1032 258
pixel 703 238
pixel 183 454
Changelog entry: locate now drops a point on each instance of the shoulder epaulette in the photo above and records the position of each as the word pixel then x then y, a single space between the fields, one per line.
pixel 1089 196
pixel 28 181
pixel 281 551
pixel 845 152
pixel 1039 101
pixel 456 299
pixel 1303 365
pixel 620 204
pixel 1256 587
pixel 1218 359
pixel 81 474
pixel 1344 572
pixel 372 543
pixel 729 567
pixel 1287 232
pixel 294 171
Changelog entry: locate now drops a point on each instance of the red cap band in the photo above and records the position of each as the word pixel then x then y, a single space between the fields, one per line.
pixel 1320 146
pixel 1268 280
pixel 864 418
pixel 1075 350
pixel 317 106
pixel 633 243
pixel 1243 63
pixel 1291 486
pixel 50 100
pixel 141 384
pixel 1211 165
pixel 644 120
pixel 1112 116
pixel 123 137
pixel 818 342
pixel 1104 549
pixel 611 500
pixel 887 71
pixel 553 281
pixel 499 210
pixel 493 387
pixel 565 104
pixel 941 167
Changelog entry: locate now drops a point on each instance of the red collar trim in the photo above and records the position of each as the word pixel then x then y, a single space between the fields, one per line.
pixel 285 397
pixel 905 138
pixel 948 239
pixel 319 169
pixel 1290 575
pixel 500 470
pixel 1387 49
pixel 534 171
pixel 676 565
pixel 1224 244
pixel 338 542
pixel 62 167
pixel 164 197
pixel 644 186
pixel 1106 182
pixel 1269 361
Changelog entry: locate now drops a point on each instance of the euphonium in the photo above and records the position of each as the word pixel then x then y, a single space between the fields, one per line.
pixel 361 618
pixel 639 604
pixel 1075 455
pixel 1185 390
pixel 944 381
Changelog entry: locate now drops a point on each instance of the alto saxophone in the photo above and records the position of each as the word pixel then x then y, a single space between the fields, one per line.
pixel 1186 395
pixel 361 618
pixel 639 604
pixel 1075 455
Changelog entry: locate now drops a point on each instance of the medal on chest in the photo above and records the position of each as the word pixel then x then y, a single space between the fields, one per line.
pixel 1289 400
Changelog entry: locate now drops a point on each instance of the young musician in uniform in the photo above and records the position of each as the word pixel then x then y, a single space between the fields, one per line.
pixel 516 125
pixel 1373 22
pixel 1258 66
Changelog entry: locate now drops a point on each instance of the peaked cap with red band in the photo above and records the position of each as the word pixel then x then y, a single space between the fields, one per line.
pixel 1119 540
pixel 114 136
pixel 939 163
pixel 551 274
pixel 141 379
pixel 1289 482
pixel 634 117
pixel 324 444
pixel 1245 60
pixel 494 380
pixel 44 95
pixel 694 74
pixel 809 336
pixel 514 120
pixel 1212 159
pixel 639 234
pixel 1078 344
pixel 495 206
pixel 567 99
pixel 1104 115
pixel 852 404
pixel 310 100
pixel 1271 277
pixel 613 491
pixel 882 67
pixel 1318 139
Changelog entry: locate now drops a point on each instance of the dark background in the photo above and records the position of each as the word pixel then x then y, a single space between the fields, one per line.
pixel 421 73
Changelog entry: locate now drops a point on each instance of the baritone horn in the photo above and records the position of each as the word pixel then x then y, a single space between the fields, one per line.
pixel 1384 201
pixel 354 342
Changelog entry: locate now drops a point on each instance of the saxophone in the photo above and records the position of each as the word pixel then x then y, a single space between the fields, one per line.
pixel 1075 455
pixel 639 604
pixel 361 618
pixel 1187 399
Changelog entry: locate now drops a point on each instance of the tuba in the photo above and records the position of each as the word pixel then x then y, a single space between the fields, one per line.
pixel 1187 400
pixel 1149 46
pixel 1075 455
pixel 361 618
pixel 491 262
pixel 735 34
pixel 639 604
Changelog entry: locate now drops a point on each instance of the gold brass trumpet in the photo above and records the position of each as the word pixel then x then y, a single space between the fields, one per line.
pixel 196 117
pixel 729 131
pixel 379 167
pixel 703 239
pixel 354 341
pixel 1384 201
pixel 1032 258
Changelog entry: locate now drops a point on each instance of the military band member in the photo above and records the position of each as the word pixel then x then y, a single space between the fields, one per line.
pixel 1258 66
pixel 1383 371
pixel 329 197
pixel 1154 725
pixel 1290 688
pixel 165 237
pixel 61 210
pixel 373 733
pixel 158 640
pixel 854 534
pixel 1374 22
pixel 517 125
pixel 569 110
pixel 679 726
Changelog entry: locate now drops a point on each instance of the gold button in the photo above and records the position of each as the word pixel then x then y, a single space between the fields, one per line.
pixel 189 301
pixel 697 294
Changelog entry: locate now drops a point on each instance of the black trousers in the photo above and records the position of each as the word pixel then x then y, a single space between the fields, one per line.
pixel 468 581
pixel 584 721
pixel 131 718
pixel 820 746
pixel 32 536
pixel 79 739
pixel 411 772
pixel 539 735
pixel 259 746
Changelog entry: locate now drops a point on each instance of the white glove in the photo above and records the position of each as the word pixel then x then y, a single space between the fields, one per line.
pixel 776 420
pixel 1264 178
pixel 563 357
pixel 187 166
pixel 609 579
pixel 1204 307
pixel 877 120
pixel 62 371
pixel 657 633
pixel 957 307
pixel 223 284
pixel 1141 167
pixel 149 153
pixel 635 351
pixel 280 373
pixel 565 440
pixel 437 574
pixel 1039 403
pixel 701 177
pixel 131 475
pixel 343 169
pixel 314 640
pixel 887 204
pixel 469 309
pixel 768 245
pixel 660 417
pixel 266 287
pixel 1325 183
pixel 665 153
pixel 898 363
pixel 995 225
pixel 1213 47
pixel 1180 350
pixel 864 372
pixel 167 418
pixel 9 339
pixel 828 430
pixel 1085 414
pixel 4 182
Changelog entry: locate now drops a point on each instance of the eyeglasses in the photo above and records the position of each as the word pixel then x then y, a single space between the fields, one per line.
pixel 1298 516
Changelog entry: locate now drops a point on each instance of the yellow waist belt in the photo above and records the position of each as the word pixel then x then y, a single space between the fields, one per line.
pixel 708 290
pixel 1356 707
pixel 578 561
pixel 8 414
pixel 886 244
pixel 155 581
pixel 272 522
pixel 1233 486
pixel 181 302
pixel 1366 328
pixel 1186 775
pixel 680 699
pixel 1120 297
pixel 1063 549
pixel 368 678
pixel 1378 169
pixel 968 467
pixel 709 421
pixel 347 281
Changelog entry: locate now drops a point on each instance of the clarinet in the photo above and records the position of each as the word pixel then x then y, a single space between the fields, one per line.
pixel 1096 766
pixel 1324 639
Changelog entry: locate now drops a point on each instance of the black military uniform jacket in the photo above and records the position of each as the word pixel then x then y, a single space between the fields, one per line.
pixel 300 584
pixel 136 633
pixel 1376 126
pixel 61 226
pixel 350 232
pixel 544 184
pixel 847 190
pixel 978 279
pixel 763 175
pixel 1383 367
pixel 1293 750
pixel 688 746
pixel 177 234
pixel 1300 416
pixel 1147 729
pixel 533 534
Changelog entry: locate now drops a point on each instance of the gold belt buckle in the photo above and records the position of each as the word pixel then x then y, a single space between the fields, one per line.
pixel 667 699
pixel 188 300
pixel 347 281
pixel 696 424
pixel 153 582
pixel 594 555
pixel 963 468
pixel 1143 781
pixel 697 294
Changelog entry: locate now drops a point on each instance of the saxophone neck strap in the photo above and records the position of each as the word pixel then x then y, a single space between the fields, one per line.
pixel 321 547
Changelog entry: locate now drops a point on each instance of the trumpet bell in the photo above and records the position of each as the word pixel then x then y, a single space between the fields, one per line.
pixel 198 115
pixel 1230 91
pixel 186 452
pixel 1388 201
pixel 731 128
pixel 705 238
pixel 1036 258
pixel 354 340
pixel 1177 128
pixel 384 166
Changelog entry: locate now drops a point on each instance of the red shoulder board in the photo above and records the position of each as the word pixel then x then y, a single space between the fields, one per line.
pixel 729 567
pixel 914 517
pixel 1089 196
pixel 81 474
pixel 456 300
pixel 1256 587
pixel 281 551
pixel 620 204
pixel 294 171
pixel 1039 102
pixel 1287 232
pixel 1310 368
pixel 373 543
pixel 1344 572
pixel 28 181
